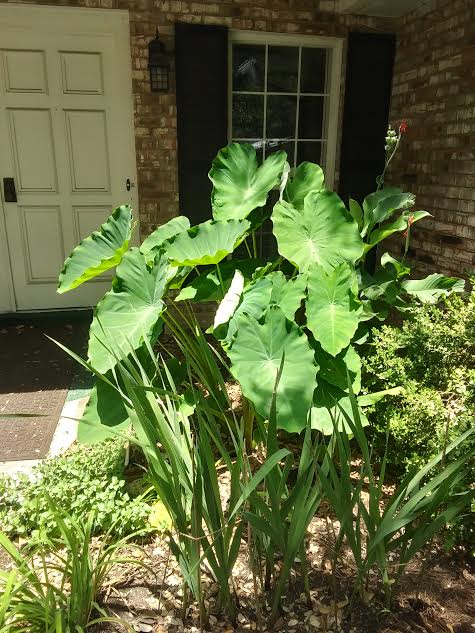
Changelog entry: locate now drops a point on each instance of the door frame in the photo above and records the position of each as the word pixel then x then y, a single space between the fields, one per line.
pixel 74 20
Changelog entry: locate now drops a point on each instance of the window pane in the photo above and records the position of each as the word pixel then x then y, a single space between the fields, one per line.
pixel 309 151
pixel 311 117
pixel 313 72
pixel 274 145
pixel 248 67
pixel 282 71
pixel 248 116
pixel 281 113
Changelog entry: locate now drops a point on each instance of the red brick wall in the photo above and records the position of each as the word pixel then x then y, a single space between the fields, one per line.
pixel 434 89
pixel 155 114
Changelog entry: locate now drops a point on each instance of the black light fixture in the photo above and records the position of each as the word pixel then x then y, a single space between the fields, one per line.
pixel 158 65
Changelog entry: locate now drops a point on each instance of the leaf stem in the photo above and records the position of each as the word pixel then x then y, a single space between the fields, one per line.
pixel 254 245
pixel 218 271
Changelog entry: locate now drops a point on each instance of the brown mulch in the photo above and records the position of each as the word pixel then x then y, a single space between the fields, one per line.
pixel 441 600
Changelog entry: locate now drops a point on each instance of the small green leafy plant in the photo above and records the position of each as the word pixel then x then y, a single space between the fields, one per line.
pixel 432 354
pixel 84 479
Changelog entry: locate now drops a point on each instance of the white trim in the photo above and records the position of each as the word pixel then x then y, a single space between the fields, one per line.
pixel 334 45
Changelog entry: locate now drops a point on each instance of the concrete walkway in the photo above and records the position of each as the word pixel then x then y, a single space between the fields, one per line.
pixel 39 379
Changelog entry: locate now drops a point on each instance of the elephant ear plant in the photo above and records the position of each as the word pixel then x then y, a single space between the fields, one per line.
pixel 287 328
pixel 314 303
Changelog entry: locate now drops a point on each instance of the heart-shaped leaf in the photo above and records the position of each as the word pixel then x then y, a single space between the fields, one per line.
pixel 206 243
pixel 99 252
pixel 287 294
pixel 323 233
pixel 433 287
pixel 335 369
pixel 164 232
pixel 104 411
pixel 332 307
pixel 326 412
pixel 127 314
pixel 239 185
pixel 307 177
pixel 256 356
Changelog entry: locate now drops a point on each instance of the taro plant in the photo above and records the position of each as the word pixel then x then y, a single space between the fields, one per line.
pixel 315 302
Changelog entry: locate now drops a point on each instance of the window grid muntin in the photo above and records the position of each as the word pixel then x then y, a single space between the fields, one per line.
pixel 265 93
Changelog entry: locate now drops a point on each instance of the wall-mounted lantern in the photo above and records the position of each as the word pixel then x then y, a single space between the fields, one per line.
pixel 158 65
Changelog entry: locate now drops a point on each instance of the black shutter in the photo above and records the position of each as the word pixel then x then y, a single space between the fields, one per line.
pixel 369 74
pixel 201 55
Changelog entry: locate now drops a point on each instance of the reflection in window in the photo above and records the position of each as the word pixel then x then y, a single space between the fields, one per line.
pixel 279 102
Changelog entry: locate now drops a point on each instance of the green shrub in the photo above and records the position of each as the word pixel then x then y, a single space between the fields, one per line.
pixel 84 479
pixel 433 356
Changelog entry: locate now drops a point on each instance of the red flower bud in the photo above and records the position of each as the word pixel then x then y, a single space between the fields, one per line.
pixel 403 127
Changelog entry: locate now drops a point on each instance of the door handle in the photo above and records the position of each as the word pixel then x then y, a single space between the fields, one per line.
pixel 9 190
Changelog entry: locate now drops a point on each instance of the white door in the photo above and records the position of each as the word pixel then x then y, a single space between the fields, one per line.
pixel 66 138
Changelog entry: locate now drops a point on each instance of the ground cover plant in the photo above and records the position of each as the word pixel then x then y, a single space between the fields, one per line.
pixel 85 479
pixel 289 331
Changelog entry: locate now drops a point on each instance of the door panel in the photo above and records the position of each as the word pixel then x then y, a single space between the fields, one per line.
pixel 25 71
pixel 40 226
pixel 88 150
pixel 66 132
pixel 31 137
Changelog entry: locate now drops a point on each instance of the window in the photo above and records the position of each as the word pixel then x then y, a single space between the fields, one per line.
pixel 285 95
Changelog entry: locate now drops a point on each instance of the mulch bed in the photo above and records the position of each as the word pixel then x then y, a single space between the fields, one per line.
pixel 441 600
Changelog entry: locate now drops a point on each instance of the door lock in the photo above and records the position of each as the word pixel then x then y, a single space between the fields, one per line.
pixel 129 185
pixel 9 191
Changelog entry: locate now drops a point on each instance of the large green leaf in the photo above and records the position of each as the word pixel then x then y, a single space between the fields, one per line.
pixel 335 370
pixel 326 412
pixel 128 314
pixel 287 294
pixel 239 185
pixel 99 252
pixel 165 232
pixel 433 287
pixel 104 411
pixel 307 177
pixel 206 243
pixel 256 356
pixel 323 233
pixel 207 285
pixel 332 307
pixel 254 302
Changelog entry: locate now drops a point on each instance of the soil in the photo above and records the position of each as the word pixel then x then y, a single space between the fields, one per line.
pixel 441 599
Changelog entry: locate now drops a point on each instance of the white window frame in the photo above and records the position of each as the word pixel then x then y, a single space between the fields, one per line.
pixel 332 96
